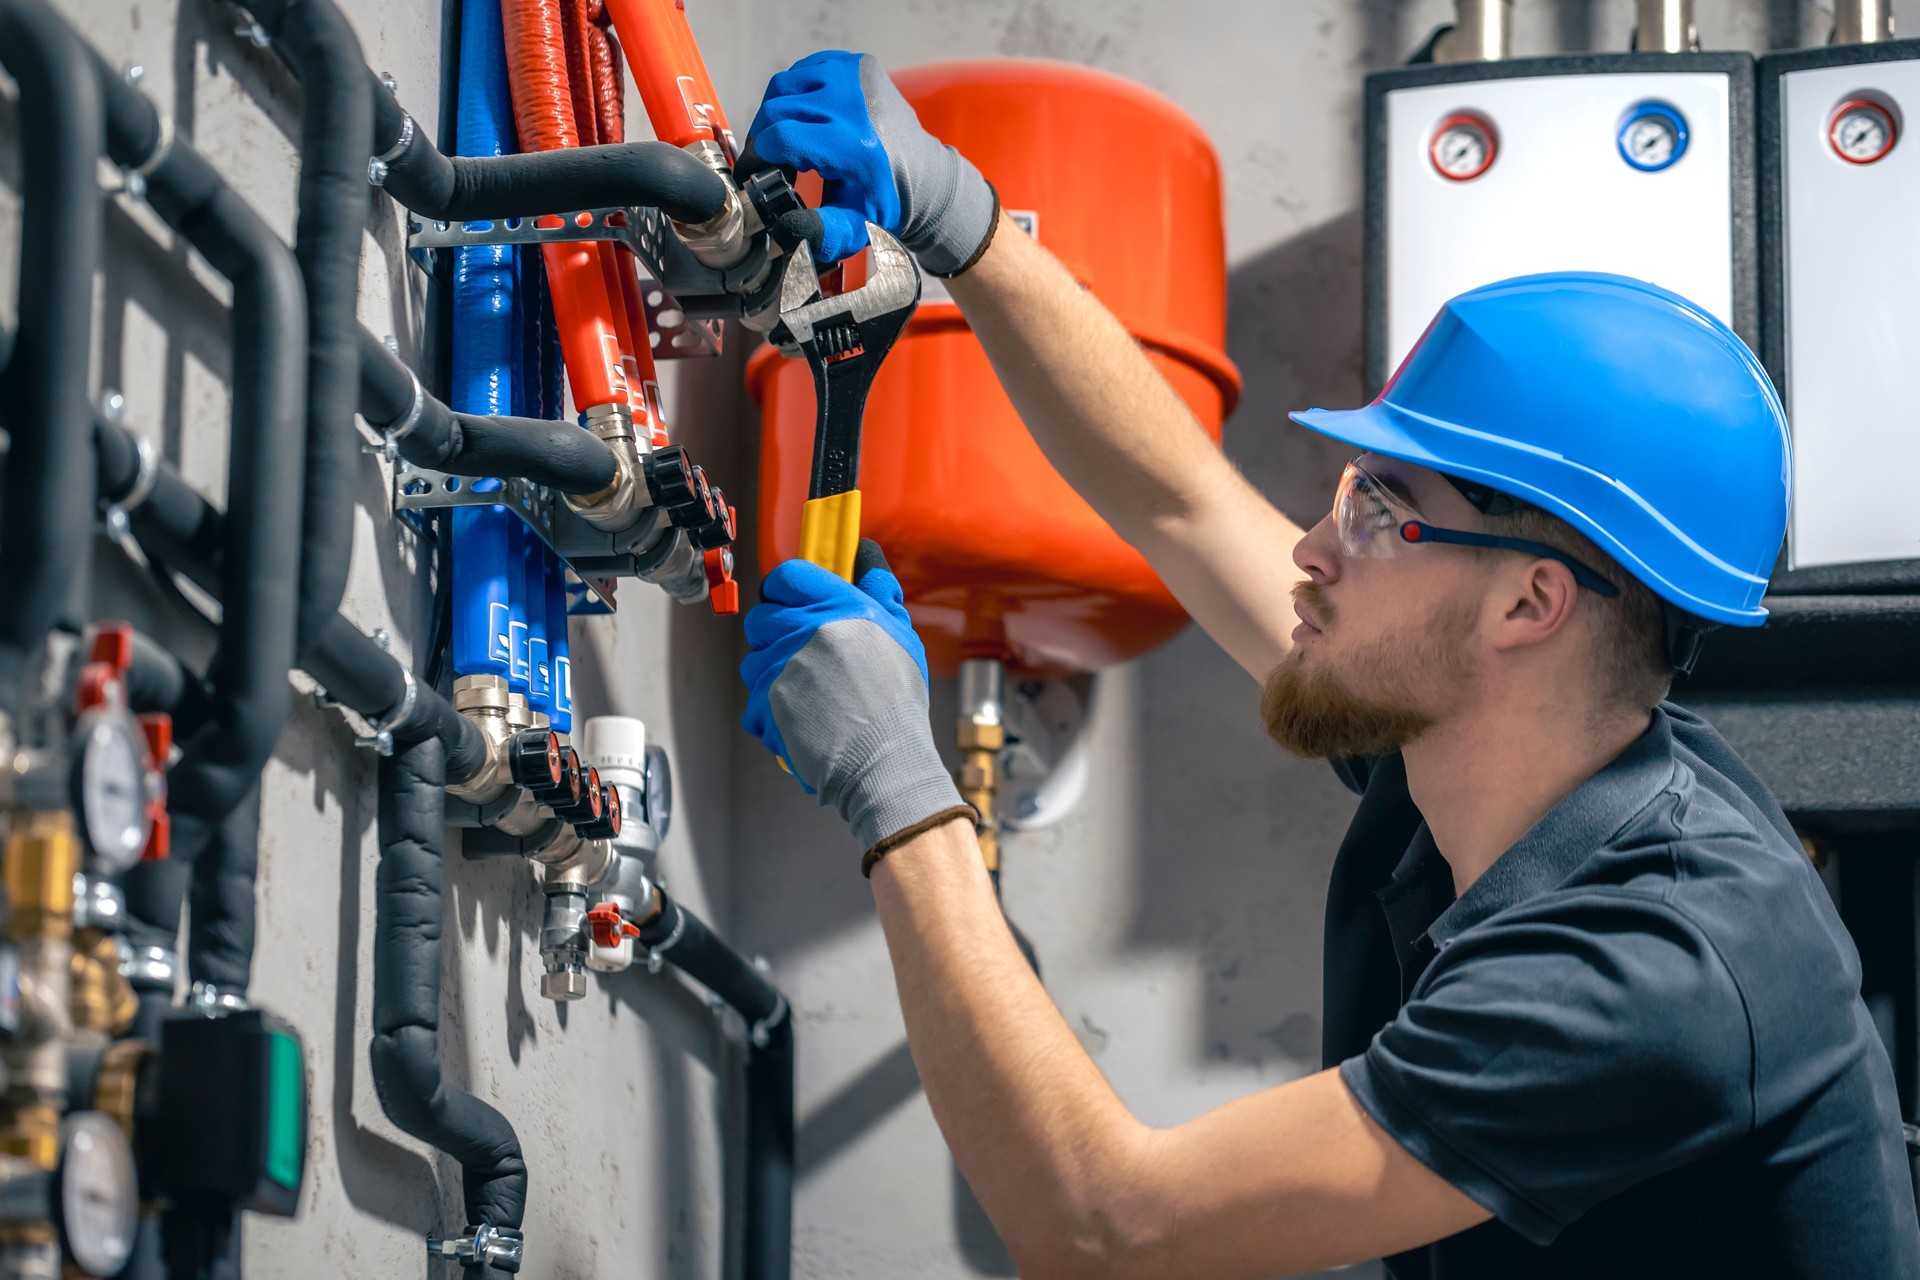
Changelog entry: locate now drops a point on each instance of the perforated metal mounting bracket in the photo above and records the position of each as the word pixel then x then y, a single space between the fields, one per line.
pixel 539 508
pixel 671 272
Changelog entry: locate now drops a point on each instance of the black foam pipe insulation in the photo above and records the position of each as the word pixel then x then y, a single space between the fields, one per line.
pixel 186 531
pixel 614 175
pixel 46 518
pixel 554 453
pixel 259 546
pixel 405 1052
pixel 683 940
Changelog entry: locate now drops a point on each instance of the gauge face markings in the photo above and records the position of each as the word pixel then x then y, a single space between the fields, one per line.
pixel 1652 136
pixel 99 1194
pixel 1462 147
pixel 1861 131
pixel 113 790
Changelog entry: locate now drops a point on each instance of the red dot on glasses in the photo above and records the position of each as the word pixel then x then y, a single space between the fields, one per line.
pixel 1410 531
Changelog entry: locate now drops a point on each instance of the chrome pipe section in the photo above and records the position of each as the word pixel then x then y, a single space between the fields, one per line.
pixel 621 504
pixel 1482 32
pixel 724 240
pixel 1665 26
pixel 1861 21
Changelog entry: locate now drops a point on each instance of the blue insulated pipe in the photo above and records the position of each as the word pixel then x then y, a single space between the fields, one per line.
pixel 487 357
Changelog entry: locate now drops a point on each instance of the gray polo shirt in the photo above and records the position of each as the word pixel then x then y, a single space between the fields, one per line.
pixel 1637 1039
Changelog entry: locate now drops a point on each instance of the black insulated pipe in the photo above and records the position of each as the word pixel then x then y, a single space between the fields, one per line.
pixel 260 550
pixel 616 175
pixel 684 941
pixel 46 519
pixel 557 454
pixel 186 532
pixel 336 137
pixel 405 1053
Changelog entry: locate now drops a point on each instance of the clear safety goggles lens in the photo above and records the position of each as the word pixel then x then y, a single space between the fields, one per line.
pixel 1369 515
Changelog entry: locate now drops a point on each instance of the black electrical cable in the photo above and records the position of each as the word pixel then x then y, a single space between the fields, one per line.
pixel 46 517
pixel 408 916
pixel 683 940
pixel 557 454
pixel 462 188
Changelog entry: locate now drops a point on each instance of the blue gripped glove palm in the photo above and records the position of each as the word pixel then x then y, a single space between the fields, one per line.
pixel 839 115
pixel 837 688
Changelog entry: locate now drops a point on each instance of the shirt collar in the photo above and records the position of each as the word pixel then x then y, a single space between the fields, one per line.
pixel 1580 826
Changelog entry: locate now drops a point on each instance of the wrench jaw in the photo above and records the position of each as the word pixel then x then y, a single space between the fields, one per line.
pixel 880 308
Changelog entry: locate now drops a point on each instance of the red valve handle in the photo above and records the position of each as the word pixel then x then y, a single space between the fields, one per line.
pixel 608 926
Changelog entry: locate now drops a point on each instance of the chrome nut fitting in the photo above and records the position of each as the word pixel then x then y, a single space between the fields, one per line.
pixel 620 505
pixel 486 701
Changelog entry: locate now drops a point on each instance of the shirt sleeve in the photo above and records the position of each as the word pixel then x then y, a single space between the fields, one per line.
pixel 1554 1057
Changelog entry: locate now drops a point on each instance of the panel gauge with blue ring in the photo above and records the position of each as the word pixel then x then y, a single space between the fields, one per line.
pixel 1652 136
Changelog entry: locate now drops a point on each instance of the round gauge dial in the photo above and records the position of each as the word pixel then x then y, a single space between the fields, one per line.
pixel 1462 147
pixel 110 780
pixel 1861 131
pixel 659 790
pixel 99 1194
pixel 1653 136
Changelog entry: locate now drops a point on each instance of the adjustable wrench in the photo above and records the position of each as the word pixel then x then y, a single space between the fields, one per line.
pixel 843 339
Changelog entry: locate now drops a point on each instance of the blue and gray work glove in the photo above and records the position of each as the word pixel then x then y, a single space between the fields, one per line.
pixel 837 689
pixel 838 115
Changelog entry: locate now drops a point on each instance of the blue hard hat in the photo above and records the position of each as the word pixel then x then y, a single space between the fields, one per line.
pixel 1621 407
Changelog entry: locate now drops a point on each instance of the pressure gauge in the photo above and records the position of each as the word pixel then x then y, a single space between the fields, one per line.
pixel 1861 131
pixel 1462 147
pixel 1653 136
pixel 109 782
pixel 99 1194
pixel 659 790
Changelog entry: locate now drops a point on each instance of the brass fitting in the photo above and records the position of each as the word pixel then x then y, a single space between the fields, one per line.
pixel 982 735
pixel 622 503
pixel 42 855
pixel 100 997
pixel 117 1082
pixel 31 1131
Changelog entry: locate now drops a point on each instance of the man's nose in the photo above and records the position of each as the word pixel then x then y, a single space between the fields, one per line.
pixel 1318 553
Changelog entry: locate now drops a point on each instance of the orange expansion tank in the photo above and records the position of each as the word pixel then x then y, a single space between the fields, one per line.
pixel 998 556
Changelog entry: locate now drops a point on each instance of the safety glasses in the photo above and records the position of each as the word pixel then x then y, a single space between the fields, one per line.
pixel 1374 523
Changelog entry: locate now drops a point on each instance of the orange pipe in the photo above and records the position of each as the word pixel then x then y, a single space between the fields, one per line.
pixel 609 93
pixel 670 73
pixel 543 113
pixel 646 394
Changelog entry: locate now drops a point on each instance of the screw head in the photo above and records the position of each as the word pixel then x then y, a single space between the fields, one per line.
pixel 1029 805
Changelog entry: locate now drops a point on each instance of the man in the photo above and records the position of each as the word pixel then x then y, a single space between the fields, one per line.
pixel 1588 1009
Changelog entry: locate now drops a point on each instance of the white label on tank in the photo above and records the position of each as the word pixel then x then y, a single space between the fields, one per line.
pixel 934 289
pixel 1853 320
pixel 1558 196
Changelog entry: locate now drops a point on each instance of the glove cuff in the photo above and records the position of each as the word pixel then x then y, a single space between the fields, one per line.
pixel 959 226
pixel 905 782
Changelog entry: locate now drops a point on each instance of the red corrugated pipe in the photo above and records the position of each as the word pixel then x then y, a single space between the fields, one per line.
pixel 583 307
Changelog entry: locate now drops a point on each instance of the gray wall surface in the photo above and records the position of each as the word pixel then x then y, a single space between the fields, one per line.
pixel 1176 913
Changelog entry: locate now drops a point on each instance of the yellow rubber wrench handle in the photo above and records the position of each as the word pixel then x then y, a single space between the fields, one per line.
pixel 830 532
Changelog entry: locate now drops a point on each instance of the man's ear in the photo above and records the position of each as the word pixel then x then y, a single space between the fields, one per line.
pixel 1539 600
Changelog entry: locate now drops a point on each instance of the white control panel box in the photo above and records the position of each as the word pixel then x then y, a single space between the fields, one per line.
pixel 1840 194
pixel 1639 164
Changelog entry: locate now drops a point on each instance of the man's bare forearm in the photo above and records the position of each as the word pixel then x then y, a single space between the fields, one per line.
pixel 1100 411
pixel 1034 1126
pixel 1128 444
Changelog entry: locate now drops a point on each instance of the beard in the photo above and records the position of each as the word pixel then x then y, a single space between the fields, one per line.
pixel 1320 715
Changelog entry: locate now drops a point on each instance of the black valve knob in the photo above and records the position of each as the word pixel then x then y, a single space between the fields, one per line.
pixel 566 789
pixel 588 805
pixel 607 825
pixel 715 528
pixel 673 482
pixel 533 756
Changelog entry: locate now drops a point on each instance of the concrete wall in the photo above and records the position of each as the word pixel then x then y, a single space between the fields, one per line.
pixel 1176 913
